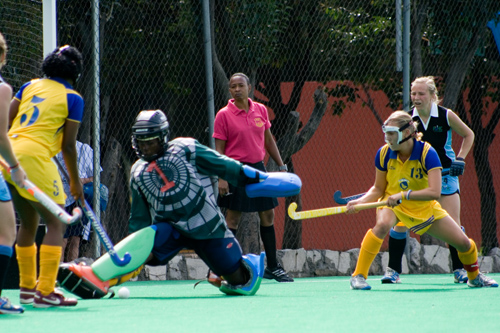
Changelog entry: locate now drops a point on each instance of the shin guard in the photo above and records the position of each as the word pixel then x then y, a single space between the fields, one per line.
pixel 255 266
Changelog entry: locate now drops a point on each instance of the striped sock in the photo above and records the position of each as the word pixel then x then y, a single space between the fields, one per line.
pixel 469 259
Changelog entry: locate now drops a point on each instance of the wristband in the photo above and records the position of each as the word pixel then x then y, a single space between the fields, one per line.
pixel 408 195
pixel 14 167
pixel 403 196
pixel 459 158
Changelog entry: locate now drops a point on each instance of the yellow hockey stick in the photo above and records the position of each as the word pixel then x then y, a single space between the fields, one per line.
pixel 311 214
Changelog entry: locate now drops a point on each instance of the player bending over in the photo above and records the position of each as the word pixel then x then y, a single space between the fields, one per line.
pixel 409 171
pixel 171 189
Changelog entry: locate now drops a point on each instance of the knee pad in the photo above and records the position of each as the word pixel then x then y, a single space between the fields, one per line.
pixel 255 266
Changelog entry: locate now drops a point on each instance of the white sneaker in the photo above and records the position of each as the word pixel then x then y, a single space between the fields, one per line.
pixel 391 276
pixel 460 275
pixel 482 281
pixel 358 282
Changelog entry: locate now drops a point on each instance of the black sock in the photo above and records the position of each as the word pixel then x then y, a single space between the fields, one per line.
pixel 4 266
pixel 455 260
pixel 269 240
pixel 396 251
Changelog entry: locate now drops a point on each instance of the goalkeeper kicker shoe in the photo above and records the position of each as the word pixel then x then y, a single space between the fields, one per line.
pixel 482 281
pixel 391 276
pixel 358 282
pixel 7 308
pixel 81 281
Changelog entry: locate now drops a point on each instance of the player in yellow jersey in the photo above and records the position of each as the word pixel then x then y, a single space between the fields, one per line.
pixel 408 176
pixel 44 118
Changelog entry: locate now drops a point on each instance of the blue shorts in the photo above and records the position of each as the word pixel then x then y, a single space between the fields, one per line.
pixel 4 190
pixel 449 185
pixel 222 255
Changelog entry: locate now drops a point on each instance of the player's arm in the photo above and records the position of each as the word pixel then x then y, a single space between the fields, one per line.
pixel 5 148
pixel 272 148
pixel 69 152
pixel 13 110
pixel 211 162
pixel 464 131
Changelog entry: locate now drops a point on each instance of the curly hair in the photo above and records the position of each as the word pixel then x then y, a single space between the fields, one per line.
pixel 65 62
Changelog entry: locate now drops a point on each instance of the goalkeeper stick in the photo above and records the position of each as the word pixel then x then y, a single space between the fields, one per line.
pixel 310 214
pixel 47 202
pixel 103 236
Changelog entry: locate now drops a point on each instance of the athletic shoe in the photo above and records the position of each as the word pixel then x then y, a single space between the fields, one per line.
pixel 358 282
pixel 482 281
pixel 7 308
pixel 27 296
pixel 460 275
pixel 277 273
pixel 391 276
pixel 55 298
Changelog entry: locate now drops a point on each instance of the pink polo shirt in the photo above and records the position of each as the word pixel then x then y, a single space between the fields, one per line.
pixel 242 131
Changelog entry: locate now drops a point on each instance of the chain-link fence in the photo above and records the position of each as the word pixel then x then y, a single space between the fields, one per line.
pixel 325 69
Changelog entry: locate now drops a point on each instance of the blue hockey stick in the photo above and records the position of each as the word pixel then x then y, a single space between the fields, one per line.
pixel 103 236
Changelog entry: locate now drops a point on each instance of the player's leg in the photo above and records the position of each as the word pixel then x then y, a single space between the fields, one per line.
pixel 397 245
pixel 370 247
pixel 26 249
pixel 451 203
pixel 7 239
pixel 50 257
pixel 268 236
pixel 242 274
pixel 448 231
pixel 233 218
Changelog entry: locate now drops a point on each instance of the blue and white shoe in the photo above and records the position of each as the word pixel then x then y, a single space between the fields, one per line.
pixel 460 276
pixel 358 282
pixel 391 276
pixel 7 308
pixel 482 281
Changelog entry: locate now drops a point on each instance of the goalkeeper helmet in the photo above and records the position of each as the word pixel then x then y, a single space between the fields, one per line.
pixel 150 125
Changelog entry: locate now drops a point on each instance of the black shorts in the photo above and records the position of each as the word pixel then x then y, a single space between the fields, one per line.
pixel 239 201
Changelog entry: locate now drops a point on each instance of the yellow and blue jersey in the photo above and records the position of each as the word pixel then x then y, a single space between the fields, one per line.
pixel 45 105
pixel 418 216
pixel 36 132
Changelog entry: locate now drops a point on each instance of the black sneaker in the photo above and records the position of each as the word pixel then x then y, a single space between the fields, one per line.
pixel 277 273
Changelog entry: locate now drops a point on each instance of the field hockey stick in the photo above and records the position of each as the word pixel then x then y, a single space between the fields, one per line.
pixel 103 236
pixel 47 202
pixel 311 214
pixel 337 196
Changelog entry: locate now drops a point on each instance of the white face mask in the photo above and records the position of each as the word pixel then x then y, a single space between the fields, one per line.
pixel 398 130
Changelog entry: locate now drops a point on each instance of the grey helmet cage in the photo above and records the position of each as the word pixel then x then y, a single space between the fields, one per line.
pixel 150 125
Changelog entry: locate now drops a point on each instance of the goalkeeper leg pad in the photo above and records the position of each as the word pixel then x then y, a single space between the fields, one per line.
pixel 139 245
pixel 255 266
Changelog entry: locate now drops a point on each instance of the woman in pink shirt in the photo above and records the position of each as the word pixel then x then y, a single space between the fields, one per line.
pixel 242 131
